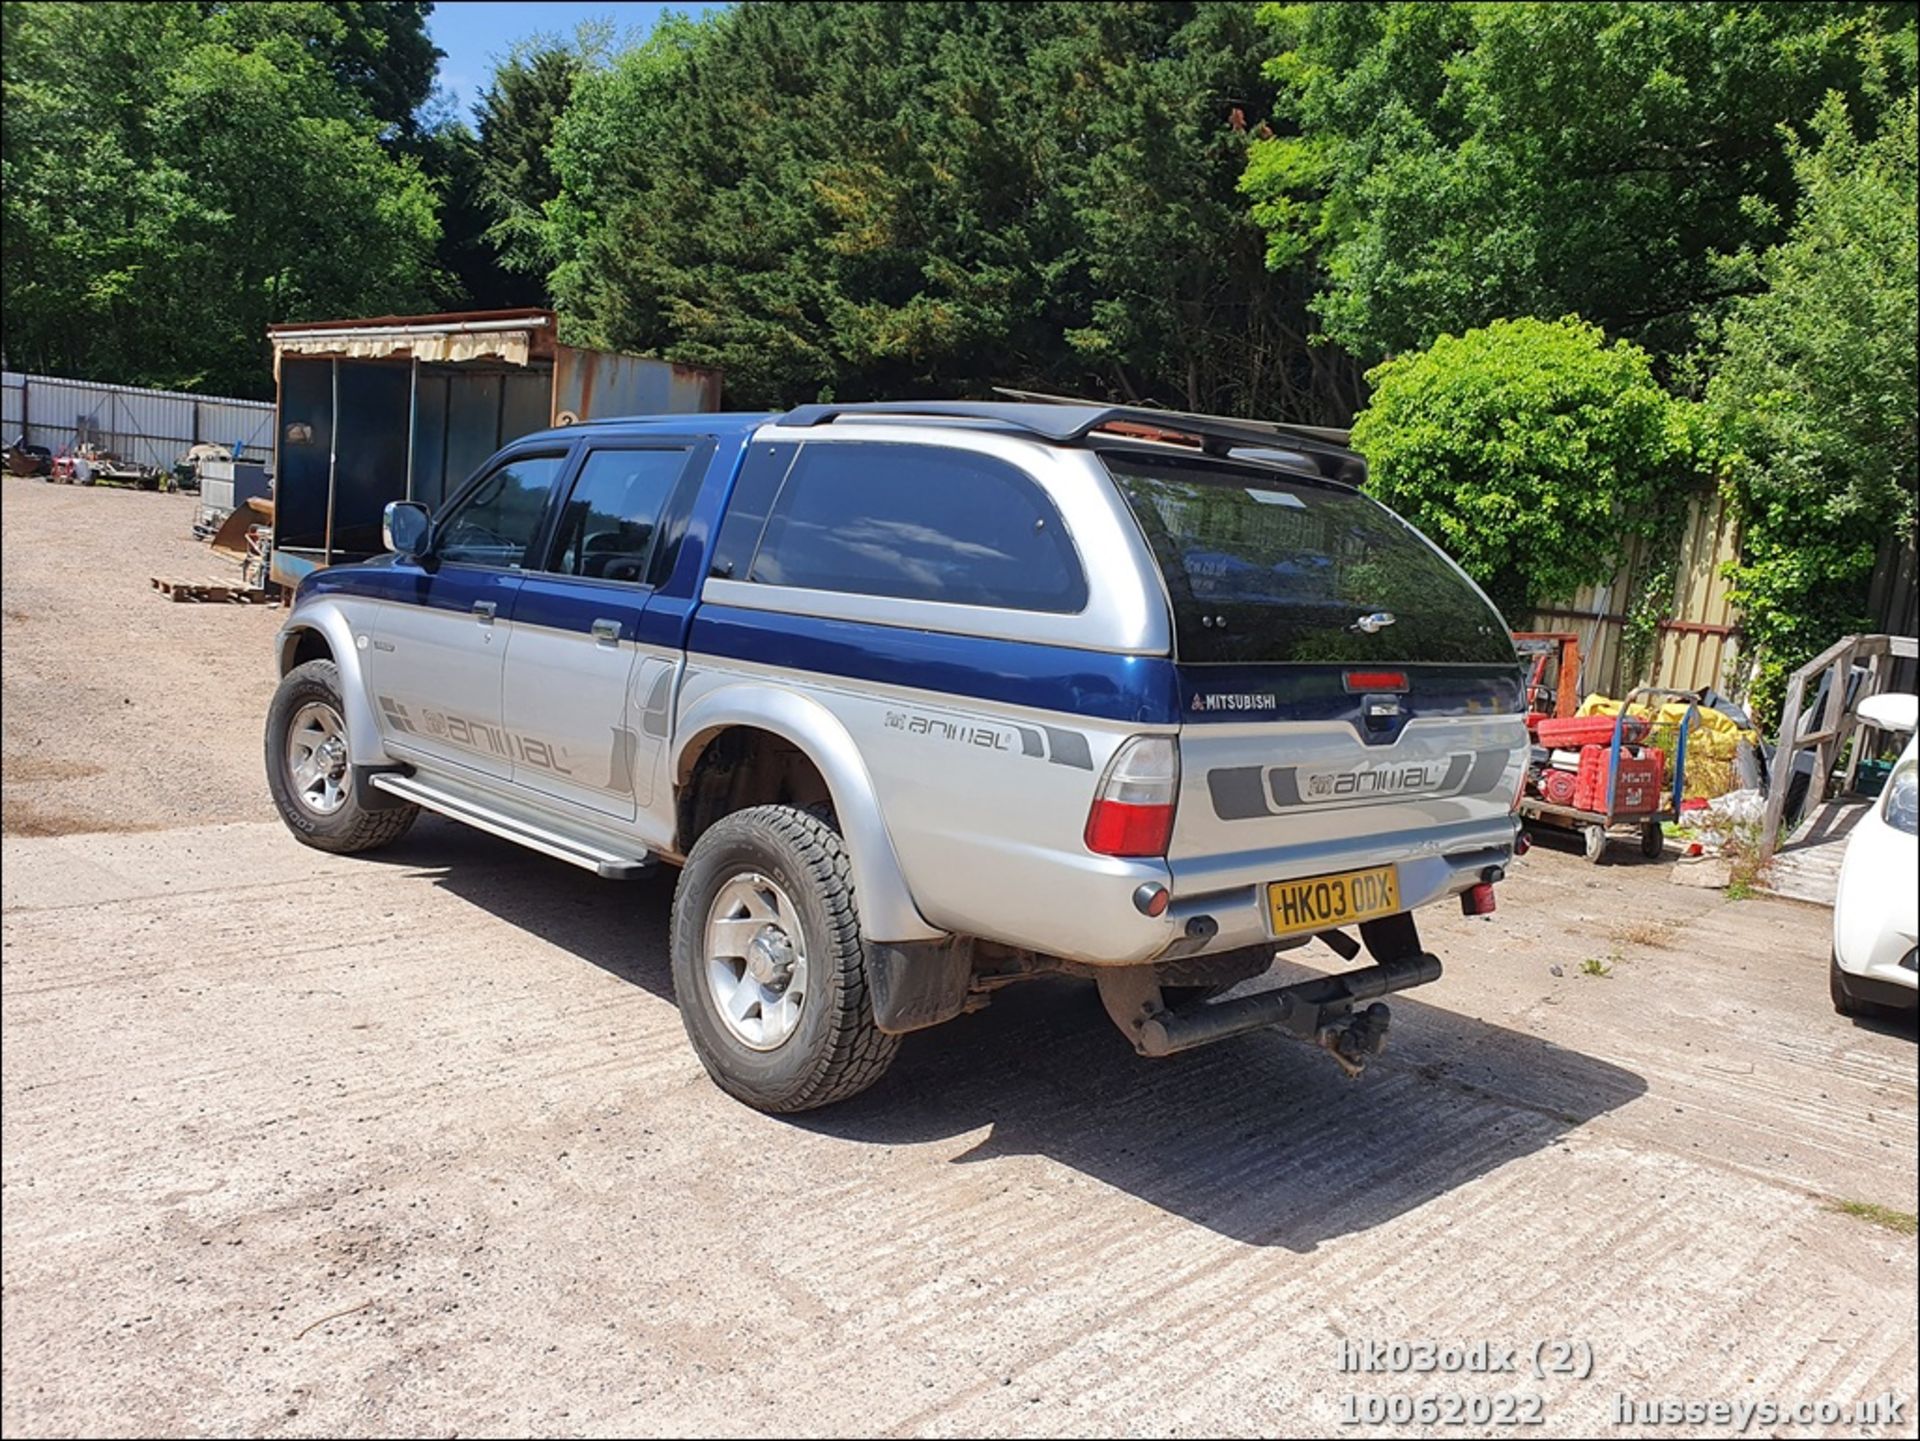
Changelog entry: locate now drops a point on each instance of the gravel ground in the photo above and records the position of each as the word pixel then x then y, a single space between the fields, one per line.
pixel 122 710
pixel 413 1143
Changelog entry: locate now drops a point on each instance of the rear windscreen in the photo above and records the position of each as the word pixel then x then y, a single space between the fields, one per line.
pixel 1264 567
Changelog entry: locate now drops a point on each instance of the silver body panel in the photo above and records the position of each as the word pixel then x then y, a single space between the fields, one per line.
pixel 434 678
pixel 986 835
pixel 1126 610
pixel 961 815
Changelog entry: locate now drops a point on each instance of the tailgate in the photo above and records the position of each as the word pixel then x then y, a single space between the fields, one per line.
pixel 1341 680
pixel 1297 761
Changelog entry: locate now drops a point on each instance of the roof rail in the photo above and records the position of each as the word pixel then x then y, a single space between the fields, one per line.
pixel 1333 435
pixel 1072 422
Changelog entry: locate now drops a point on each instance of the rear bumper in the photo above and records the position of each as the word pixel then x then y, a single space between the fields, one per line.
pixel 1433 864
pixel 1219 903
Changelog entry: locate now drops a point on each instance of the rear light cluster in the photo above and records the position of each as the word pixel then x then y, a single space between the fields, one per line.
pixel 1132 811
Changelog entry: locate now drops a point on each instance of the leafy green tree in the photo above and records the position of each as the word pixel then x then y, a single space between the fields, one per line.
pixel 378 49
pixel 1532 452
pixel 1446 164
pixel 1148 117
pixel 608 146
pixel 176 180
pixel 516 118
pixel 1817 395
pixel 448 154
pixel 933 198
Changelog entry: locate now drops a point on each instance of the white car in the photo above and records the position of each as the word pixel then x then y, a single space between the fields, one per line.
pixel 1874 923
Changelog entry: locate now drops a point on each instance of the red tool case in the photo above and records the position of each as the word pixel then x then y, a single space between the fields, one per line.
pixel 1641 789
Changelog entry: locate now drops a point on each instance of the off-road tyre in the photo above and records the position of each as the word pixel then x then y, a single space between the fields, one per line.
pixel 352 827
pixel 835 1050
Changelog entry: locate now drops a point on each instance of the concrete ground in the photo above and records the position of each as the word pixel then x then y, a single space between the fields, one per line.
pixel 413 1143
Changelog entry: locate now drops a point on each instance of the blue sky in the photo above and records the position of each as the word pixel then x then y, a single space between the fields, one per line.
pixel 475 33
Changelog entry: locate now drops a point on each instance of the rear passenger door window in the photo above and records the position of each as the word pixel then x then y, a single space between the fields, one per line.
pixel 495 522
pixel 918 522
pixel 611 521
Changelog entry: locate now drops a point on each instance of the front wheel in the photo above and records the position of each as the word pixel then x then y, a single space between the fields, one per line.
pixel 768 965
pixel 1844 1002
pixel 1653 840
pixel 309 772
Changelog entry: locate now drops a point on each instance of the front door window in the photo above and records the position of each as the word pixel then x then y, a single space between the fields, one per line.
pixel 494 523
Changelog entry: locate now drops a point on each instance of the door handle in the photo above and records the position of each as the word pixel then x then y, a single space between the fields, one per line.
pixel 484 609
pixel 606 632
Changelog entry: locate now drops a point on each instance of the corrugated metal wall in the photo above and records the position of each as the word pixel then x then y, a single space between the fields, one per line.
pixel 151 427
pixel 594 384
pixel 1696 642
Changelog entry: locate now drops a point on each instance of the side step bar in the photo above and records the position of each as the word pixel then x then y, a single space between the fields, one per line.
pixel 604 863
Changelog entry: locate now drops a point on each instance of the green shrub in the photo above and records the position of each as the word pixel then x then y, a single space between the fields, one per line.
pixel 1531 451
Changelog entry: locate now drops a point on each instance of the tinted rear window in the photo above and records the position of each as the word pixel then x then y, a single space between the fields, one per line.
pixel 919 523
pixel 1264 568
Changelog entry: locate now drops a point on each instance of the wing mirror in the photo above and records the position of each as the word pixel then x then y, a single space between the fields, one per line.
pixel 404 527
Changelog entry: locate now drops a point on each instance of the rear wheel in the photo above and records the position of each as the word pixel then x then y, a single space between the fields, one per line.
pixel 309 772
pixel 1594 838
pixel 1653 840
pixel 768 965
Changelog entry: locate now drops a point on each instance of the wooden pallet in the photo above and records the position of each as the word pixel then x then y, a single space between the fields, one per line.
pixel 218 590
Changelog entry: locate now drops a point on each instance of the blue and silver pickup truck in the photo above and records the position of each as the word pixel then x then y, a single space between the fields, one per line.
pixel 927 698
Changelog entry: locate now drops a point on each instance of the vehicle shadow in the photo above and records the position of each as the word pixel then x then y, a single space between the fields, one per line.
pixel 1261 1139
pixel 1904 1024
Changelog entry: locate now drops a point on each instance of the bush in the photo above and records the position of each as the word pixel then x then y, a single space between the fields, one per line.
pixel 1817 397
pixel 1531 451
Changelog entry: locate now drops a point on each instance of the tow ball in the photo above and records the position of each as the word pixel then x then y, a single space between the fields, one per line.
pixel 1354 1041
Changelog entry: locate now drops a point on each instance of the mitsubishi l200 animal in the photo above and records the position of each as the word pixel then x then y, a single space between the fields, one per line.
pixel 925 699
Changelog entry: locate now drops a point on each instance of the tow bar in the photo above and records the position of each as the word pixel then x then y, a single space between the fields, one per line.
pixel 1320 1010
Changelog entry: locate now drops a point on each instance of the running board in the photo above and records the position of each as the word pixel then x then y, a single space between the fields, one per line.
pixel 609 865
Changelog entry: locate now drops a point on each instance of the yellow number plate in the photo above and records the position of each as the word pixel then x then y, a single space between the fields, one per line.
pixel 1319 902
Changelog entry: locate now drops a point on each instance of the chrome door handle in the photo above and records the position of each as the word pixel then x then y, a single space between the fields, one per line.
pixel 606 632
pixel 484 609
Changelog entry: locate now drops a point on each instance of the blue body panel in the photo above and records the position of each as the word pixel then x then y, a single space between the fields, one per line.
pixel 1130 688
pixel 449 587
pixel 566 602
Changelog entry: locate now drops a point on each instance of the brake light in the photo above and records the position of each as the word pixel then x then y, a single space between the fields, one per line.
pixel 1375 680
pixel 1132 811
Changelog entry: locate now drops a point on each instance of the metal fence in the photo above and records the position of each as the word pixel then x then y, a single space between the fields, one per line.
pixel 148 427
pixel 1696 643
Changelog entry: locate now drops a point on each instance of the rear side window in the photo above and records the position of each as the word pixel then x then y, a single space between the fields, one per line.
pixel 494 522
pixel 607 528
pixel 1263 567
pixel 917 522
